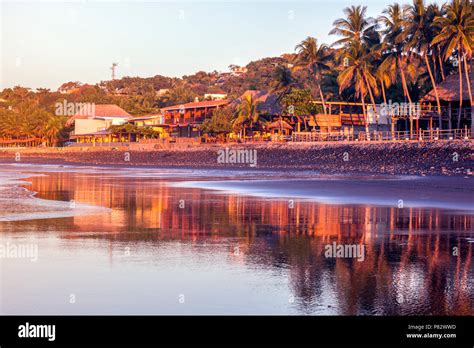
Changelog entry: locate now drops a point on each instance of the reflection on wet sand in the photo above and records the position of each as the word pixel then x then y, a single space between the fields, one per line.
pixel 418 261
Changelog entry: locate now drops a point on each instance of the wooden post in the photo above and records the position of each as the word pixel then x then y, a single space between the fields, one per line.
pixel 449 116
pixel 431 128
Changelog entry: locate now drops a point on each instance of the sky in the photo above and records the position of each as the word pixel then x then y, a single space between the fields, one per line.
pixel 44 44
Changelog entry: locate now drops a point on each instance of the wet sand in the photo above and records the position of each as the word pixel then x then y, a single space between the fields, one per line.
pixel 17 203
pixel 401 191
pixel 454 193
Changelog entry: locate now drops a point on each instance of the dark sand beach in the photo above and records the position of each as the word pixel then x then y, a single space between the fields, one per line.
pixel 454 158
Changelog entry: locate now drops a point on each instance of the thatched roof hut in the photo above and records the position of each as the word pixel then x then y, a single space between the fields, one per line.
pixel 280 124
pixel 448 90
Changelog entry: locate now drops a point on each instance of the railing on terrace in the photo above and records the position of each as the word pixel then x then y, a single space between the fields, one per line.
pixel 184 120
pixel 20 142
pixel 422 135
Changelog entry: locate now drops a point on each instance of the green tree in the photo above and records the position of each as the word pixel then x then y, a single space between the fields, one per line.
pixel 220 123
pixel 315 58
pixel 299 103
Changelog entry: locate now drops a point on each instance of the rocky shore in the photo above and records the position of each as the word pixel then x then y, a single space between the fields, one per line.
pixel 454 158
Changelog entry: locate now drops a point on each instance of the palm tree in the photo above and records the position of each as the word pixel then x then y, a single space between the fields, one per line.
pixel 10 124
pixel 435 11
pixel 359 73
pixel 419 33
pixel 360 48
pixel 457 31
pixel 52 128
pixel 386 78
pixel 315 59
pixel 247 113
pixel 283 81
pixel 392 48
pixel 355 27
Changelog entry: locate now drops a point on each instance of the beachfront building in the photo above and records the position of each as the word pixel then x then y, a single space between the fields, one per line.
pixel 154 122
pixel 450 97
pixel 184 120
pixel 279 129
pixel 92 125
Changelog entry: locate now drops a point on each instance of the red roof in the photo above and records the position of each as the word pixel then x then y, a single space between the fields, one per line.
pixel 101 110
pixel 201 104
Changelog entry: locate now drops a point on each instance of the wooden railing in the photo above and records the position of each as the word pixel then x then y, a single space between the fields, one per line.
pixel 20 142
pixel 421 135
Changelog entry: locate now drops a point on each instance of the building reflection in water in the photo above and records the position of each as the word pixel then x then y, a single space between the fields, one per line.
pixel 410 265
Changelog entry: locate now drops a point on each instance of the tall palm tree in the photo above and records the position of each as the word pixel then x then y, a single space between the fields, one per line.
pixel 386 78
pixel 358 73
pixel 434 10
pixel 358 52
pixel 392 47
pixel 356 26
pixel 457 31
pixel 315 58
pixel 418 34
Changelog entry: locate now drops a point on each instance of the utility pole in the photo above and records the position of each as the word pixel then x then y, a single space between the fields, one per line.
pixel 114 65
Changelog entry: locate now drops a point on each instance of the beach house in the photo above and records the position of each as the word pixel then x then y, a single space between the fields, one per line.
pixel 454 115
pixel 91 126
pixel 184 120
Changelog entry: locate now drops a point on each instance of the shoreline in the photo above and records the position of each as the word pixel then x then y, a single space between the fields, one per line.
pixel 18 203
pixel 429 192
pixel 454 158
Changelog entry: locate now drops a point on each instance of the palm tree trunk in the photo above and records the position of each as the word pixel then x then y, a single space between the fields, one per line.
pixel 365 117
pixel 322 97
pixel 435 68
pixel 460 87
pixel 466 71
pixel 405 88
pixel 404 81
pixel 383 92
pixel 441 66
pixel 433 82
pixel 372 99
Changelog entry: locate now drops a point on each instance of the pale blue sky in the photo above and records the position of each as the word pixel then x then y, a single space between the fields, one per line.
pixel 44 44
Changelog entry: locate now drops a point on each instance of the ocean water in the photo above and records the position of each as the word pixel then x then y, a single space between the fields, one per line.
pixel 91 240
